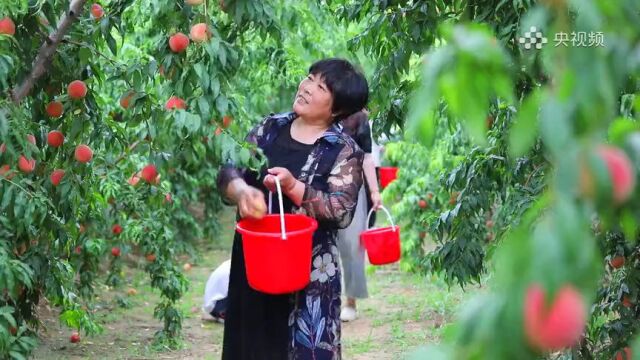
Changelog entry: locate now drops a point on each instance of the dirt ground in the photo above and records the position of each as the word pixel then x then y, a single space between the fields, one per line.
pixel 404 311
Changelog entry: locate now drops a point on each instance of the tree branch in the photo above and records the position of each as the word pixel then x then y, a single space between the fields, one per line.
pixel 114 62
pixel 47 50
pixel 129 149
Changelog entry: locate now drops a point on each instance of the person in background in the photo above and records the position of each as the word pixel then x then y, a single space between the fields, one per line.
pixel 376 154
pixel 352 252
pixel 214 306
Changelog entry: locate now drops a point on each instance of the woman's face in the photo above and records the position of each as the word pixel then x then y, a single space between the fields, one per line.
pixel 313 99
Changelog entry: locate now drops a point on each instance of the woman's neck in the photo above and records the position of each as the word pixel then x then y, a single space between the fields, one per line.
pixel 307 131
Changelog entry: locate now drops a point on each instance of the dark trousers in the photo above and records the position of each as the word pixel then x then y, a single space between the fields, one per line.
pixel 219 309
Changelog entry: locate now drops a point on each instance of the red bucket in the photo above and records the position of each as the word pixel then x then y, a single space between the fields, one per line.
pixel 387 175
pixel 277 251
pixel 382 244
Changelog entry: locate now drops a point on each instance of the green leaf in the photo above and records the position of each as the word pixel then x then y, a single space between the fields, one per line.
pixel 215 86
pixel 137 79
pixel 222 104
pixel 204 78
pixel 6 310
pixel 555 128
pixel 84 54
pixel 71 318
pixel 620 129
pixel 205 109
pixel 76 127
pixel 222 55
pixel 16 355
pixel 29 341
pixel 10 319
pixel 7 196
pixel 629 225
pixel 524 131
pixel 244 156
pixel 111 42
pixel 19 205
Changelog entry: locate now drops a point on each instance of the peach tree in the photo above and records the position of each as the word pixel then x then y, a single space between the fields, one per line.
pixel 531 165
pixel 113 118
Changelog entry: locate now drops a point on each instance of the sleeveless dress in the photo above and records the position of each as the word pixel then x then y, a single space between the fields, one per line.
pixel 306 324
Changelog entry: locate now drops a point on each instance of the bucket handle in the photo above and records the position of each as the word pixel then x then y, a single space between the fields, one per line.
pixel 393 227
pixel 284 232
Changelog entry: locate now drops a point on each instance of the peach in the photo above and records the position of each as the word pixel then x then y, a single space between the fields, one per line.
pixel 617 262
pixel 26 165
pixel 621 172
pixel 149 173
pixel 226 121
pixel 7 26
pixel 56 176
pixel 77 89
pixel 115 251
pixel 125 100
pixel 134 179
pixel 75 337
pixel 174 103
pixel 178 42
pixel 199 33
pixel 132 292
pixel 83 153
pixel 624 354
pixel 55 109
pixel 5 170
pixel 97 11
pixel 557 326
pixel 55 138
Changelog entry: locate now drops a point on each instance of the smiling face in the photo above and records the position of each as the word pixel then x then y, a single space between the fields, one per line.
pixel 314 99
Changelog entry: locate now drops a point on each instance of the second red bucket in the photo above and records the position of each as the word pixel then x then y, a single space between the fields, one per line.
pixel 387 175
pixel 277 251
pixel 382 244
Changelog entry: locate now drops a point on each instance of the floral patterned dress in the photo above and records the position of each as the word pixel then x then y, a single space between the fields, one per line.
pixel 306 324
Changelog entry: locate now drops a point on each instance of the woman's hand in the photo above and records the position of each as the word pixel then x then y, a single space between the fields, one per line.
pixel 376 200
pixel 287 181
pixel 251 203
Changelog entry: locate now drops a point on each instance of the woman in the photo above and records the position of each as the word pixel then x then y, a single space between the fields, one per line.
pixel 320 171
pixel 351 250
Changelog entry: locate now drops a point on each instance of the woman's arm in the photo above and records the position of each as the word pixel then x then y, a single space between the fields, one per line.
pixel 336 205
pixel 250 200
pixel 235 190
pixel 372 180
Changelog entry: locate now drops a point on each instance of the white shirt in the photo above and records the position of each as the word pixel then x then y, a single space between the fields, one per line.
pixel 217 286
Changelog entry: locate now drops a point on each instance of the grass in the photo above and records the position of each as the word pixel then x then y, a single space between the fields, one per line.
pixel 404 311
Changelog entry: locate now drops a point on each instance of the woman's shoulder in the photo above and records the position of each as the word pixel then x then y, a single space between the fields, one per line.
pixel 270 123
pixel 345 141
pixel 281 118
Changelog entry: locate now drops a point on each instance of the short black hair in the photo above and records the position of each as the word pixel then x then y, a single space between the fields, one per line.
pixel 347 84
